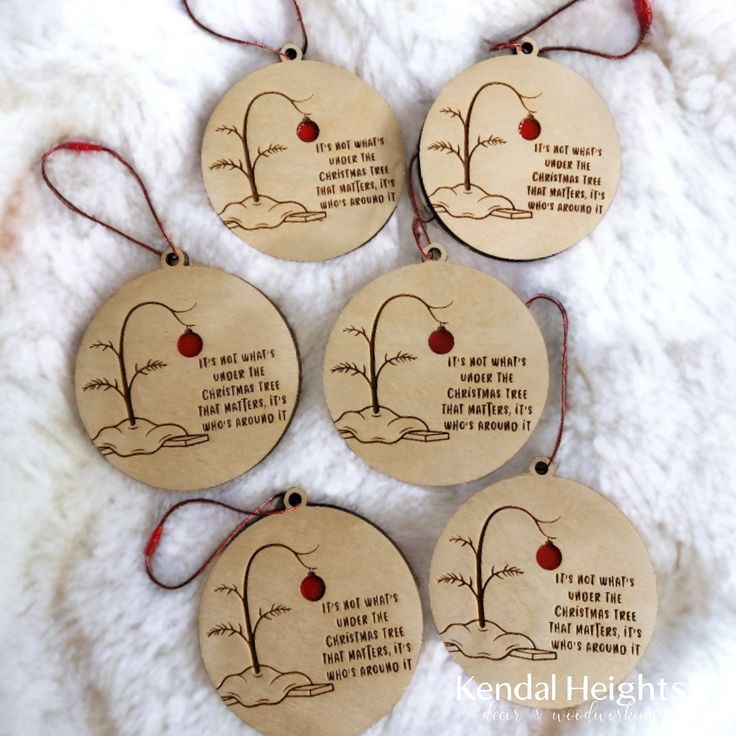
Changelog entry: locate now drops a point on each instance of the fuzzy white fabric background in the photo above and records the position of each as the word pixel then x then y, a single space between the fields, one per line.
pixel 87 644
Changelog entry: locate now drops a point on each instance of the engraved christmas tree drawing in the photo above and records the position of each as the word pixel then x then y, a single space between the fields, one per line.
pixel 468 199
pixel 377 423
pixel 257 683
pixel 136 435
pixel 257 210
pixel 481 638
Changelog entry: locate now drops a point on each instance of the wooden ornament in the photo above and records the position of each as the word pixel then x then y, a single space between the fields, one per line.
pixel 519 156
pixel 187 377
pixel 310 623
pixel 303 160
pixel 435 374
pixel 567 590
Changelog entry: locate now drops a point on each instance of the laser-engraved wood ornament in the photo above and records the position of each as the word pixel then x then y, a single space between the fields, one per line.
pixel 186 377
pixel 435 374
pixel 310 622
pixel 537 583
pixel 519 156
pixel 303 160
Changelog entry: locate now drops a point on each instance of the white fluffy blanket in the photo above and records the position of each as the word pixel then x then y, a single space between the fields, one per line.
pixel 87 644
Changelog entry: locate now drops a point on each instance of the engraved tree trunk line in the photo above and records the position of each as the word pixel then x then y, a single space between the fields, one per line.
pixel 248 168
pixel 478 589
pixel 125 389
pixel 375 373
pixel 251 629
pixel 467 152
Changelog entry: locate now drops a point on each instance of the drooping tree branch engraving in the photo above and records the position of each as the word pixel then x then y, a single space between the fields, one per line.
pixel 136 435
pixel 379 423
pixel 260 684
pixel 258 210
pixel 125 385
pixel 481 637
pixel 469 199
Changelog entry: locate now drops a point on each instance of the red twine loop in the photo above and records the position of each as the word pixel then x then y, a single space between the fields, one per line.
pixel 250 517
pixel 644 14
pixel 563 366
pixel 84 147
pixel 419 223
pixel 249 42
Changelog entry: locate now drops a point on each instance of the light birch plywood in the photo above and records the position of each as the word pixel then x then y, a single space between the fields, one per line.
pixel 568 591
pixel 435 374
pixel 310 623
pixel 519 157
pixel 187 377
pixel 303 160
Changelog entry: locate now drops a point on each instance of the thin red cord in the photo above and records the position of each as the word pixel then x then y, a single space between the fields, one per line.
pixel 83 147
pixel 563 366
pixel 157 533
pixel 644 14
pixel 248 42
pixel 419 223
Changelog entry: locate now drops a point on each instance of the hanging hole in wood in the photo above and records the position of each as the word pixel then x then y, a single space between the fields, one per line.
pixel 295 497
pixel 291 52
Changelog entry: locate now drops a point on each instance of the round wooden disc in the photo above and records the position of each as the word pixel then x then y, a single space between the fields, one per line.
pixel 335 617
pixel 516 184
pixel 454 401
pixel 582 605
pixel 187 377
pixel 327 156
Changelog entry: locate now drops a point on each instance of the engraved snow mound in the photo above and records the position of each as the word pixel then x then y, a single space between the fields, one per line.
pixel 268 687
pixel 385 427
pixel 475 203
pixel 142 438
pixel 266 213
pixel 490 642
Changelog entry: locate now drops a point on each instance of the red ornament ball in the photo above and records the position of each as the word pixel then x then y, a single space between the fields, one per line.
pixel 441 341
pixel 189 344
pixel 529 128
pixel 307 130
pixel 312 587
pixel 549 556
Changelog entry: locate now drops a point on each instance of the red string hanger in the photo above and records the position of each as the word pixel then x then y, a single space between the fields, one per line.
pixel 251 42
pixel 270 507
pixel 124 345
pixel 84 147
pixel 419 223
pixel 644 15
pixel 563 375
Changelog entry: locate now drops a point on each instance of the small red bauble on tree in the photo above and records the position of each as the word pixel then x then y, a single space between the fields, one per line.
pixel 312 587
pixel 189 344
pixel 549 556
pixel 307 130
pixel 529 128
pixel 441 341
